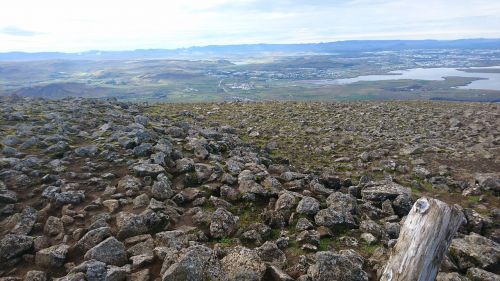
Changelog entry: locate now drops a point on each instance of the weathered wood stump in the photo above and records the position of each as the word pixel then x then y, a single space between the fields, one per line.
pixel 423 241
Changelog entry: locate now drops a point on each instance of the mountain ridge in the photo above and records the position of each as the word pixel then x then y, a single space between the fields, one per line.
pixel 216 51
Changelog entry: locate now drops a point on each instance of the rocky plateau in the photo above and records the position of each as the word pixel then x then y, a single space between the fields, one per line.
pixel 103 190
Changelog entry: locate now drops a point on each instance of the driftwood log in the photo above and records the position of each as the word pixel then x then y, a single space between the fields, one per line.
pixel 423 241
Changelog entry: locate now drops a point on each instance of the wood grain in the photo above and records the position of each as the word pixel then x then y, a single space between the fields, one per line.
pixel 423 241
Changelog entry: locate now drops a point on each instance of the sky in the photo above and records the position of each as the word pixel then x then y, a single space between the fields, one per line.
pixel 81 25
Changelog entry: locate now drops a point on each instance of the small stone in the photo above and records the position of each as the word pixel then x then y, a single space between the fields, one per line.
pixel 111 204
pixel 368 238
pixel 53 226
pixel 141 260
pixel 303 224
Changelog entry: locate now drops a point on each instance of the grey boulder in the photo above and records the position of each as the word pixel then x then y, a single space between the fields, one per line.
pixel 109 251
pixel 195 263
pixel 475 251
pixel 343 266
pixel 54 256
pixel 223 223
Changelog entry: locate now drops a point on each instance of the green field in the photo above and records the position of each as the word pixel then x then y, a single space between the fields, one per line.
pixel 253 78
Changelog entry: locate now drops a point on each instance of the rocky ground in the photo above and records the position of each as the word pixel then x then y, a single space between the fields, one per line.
pixel 104 190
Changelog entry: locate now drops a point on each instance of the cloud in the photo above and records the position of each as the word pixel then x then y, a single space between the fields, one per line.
pixel 79 25
pixel 16 31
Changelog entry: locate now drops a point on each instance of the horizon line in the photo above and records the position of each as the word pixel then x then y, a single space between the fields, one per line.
pixel 249 44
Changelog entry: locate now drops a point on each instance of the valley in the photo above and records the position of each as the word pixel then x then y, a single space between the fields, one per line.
pixel 259 76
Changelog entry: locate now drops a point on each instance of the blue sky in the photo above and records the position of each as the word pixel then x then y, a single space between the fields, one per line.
pixel 77 25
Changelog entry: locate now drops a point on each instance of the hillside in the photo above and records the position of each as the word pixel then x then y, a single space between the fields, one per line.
pixel 95 189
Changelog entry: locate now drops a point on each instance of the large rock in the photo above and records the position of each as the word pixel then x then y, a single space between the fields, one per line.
pixel 476 222
pixel 342 202
pixel 243 264
pixel 256 233
pixel 477 274
pixel 59 148
pixel 251 186
pixel 223 223
pixel 86 151
pixel 35 275
pixel 13 245
pixel 54 256
pixel 116 273
pixel 488 181
pixel 11 141
pixel 475 251
pixel 7 196
pixel 269 252
pixel 343 266
pixel 382 192
pixel 330 180
pixel 79 276
pixel 203 172
pixel 94 270
pixel 23 223
pixel 144 149
pixel 148 170
pixel 308 206
pixel 162 188
pixel 331 217
pixel 92 238
pixel 277 274
pixel 176 239
pixel 53 226
pixel 129 182
pixel 69 197
pixel 285 202
pixel 141 119
pixel 109 251
pixel 131 224
pixel 374 228
pixel 402 205
pixel 451 276
pixel 290 176
pixel 184 165
pixel 195 263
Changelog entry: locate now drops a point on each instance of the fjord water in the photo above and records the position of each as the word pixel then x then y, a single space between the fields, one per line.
pixel 488 81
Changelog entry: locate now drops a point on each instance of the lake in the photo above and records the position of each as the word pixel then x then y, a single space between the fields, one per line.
pixel 489 81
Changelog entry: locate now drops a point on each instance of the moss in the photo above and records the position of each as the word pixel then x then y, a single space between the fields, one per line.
pixel 325 243
pixel 226 241
pixel 323 205
pixel 426 186
pixel 191 179
pixel 295 249
pixel 208 206
pixel 248 217
pixel 473 199
pixel 368 249
pixel 416 193
pixel 275 234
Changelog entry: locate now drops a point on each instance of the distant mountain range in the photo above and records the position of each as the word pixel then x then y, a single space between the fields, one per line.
pixel 223 51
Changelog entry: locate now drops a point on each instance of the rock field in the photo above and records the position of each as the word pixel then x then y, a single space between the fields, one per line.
pixel 104 190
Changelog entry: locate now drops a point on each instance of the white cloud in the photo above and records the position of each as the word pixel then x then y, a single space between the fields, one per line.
pixel 77 25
